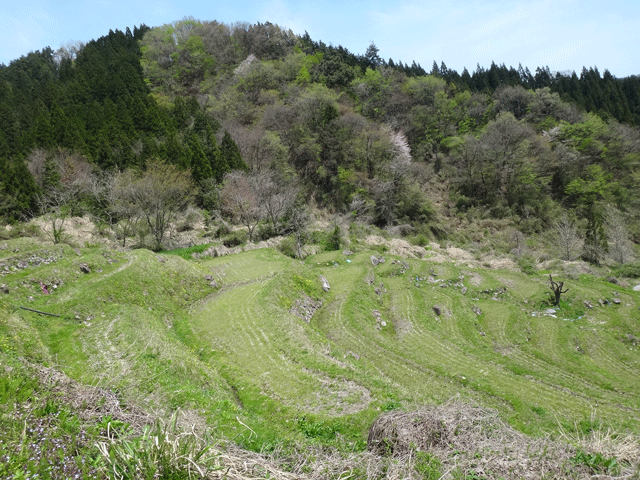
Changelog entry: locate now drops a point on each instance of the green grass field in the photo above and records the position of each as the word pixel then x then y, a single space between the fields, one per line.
pixel 154 329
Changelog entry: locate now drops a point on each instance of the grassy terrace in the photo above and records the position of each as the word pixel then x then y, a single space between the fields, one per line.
pixel 156 330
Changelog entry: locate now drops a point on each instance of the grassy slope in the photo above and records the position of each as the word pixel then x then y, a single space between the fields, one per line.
pixel 151 327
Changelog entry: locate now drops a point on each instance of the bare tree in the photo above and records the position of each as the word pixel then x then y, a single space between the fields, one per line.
pixel 160 194
pixel 241 199
pixel 277 196
pixel 55 205
pixel 566 238
pixel 122 209
pixel 298 222
pixel 556 287
pixel 620 248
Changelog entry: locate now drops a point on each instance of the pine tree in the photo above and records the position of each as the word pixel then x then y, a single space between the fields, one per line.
pixel 231 157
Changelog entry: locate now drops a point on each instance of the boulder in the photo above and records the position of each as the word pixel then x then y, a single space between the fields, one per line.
pixel 325 283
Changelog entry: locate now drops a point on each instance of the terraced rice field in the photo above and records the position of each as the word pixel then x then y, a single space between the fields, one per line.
pixel 377 340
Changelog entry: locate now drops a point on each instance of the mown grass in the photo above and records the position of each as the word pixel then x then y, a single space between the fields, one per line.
pixel 153 328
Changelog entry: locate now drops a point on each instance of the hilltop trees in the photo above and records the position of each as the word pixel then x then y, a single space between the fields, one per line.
pixel 260 117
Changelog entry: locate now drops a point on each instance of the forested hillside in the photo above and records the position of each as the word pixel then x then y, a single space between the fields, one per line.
pixel 352 133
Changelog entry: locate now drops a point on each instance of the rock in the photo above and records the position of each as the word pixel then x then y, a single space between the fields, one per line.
pixel 347 252
pixel 305 308
pixel 613 280
pixel 464 290
pixel 213 284
pixel 325 283
pixel 437 310
pixel 84 268
pixel 475 309
pixel 4 288
pixel 208 277
pixel 352 354
pixel 376 260
pixel 617 301
pixel 588 304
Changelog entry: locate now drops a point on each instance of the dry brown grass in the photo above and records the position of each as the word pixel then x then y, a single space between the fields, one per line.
pixel 470 439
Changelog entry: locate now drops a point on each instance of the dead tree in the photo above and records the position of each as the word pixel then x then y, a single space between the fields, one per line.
pixel 557 289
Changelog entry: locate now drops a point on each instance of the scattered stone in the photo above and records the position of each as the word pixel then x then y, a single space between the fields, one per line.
pixel 475 309
pixel 617 301
pixel 603 302
pixel 213 284
pixel 352 354
pixel 636 288
pixel 375 261
pixel 84 268
pixel 482 333
pixel 464 290
pixel 4 288
pixel 208 277
pixel 616 294
pixel 404 266
pixel 347 252
pixel 438 310
pixel 613 280
pixel 588 304
pixel 305 308
pixel 325 283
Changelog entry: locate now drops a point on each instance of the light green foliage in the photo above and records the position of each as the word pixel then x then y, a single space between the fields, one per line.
pixel 428 466
pixel 152 327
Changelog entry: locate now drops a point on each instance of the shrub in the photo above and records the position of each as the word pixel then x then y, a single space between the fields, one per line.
pixel 265 231
pixel 527 263
pixel 630 270
pixel 222 230
pixel 288 247
pixel 234 239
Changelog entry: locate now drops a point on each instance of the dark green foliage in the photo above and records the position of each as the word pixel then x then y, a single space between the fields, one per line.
pixel 231 159
pixel 235 239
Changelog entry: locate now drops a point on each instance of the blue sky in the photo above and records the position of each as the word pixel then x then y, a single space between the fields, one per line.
pixel 562 34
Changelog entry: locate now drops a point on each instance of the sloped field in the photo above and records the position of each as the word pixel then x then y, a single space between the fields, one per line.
pixel 377 340
pixel 251 345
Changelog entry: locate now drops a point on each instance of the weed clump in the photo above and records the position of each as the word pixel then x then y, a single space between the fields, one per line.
pixel 469 438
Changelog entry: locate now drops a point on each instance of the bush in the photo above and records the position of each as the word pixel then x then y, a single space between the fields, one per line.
pixel 527 264
pixel 265 231
pixel 222 230
pixel 235 239
pixel 288 247
pixel 630 270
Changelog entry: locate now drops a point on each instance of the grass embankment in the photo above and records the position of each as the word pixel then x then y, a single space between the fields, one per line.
pixel 216 338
